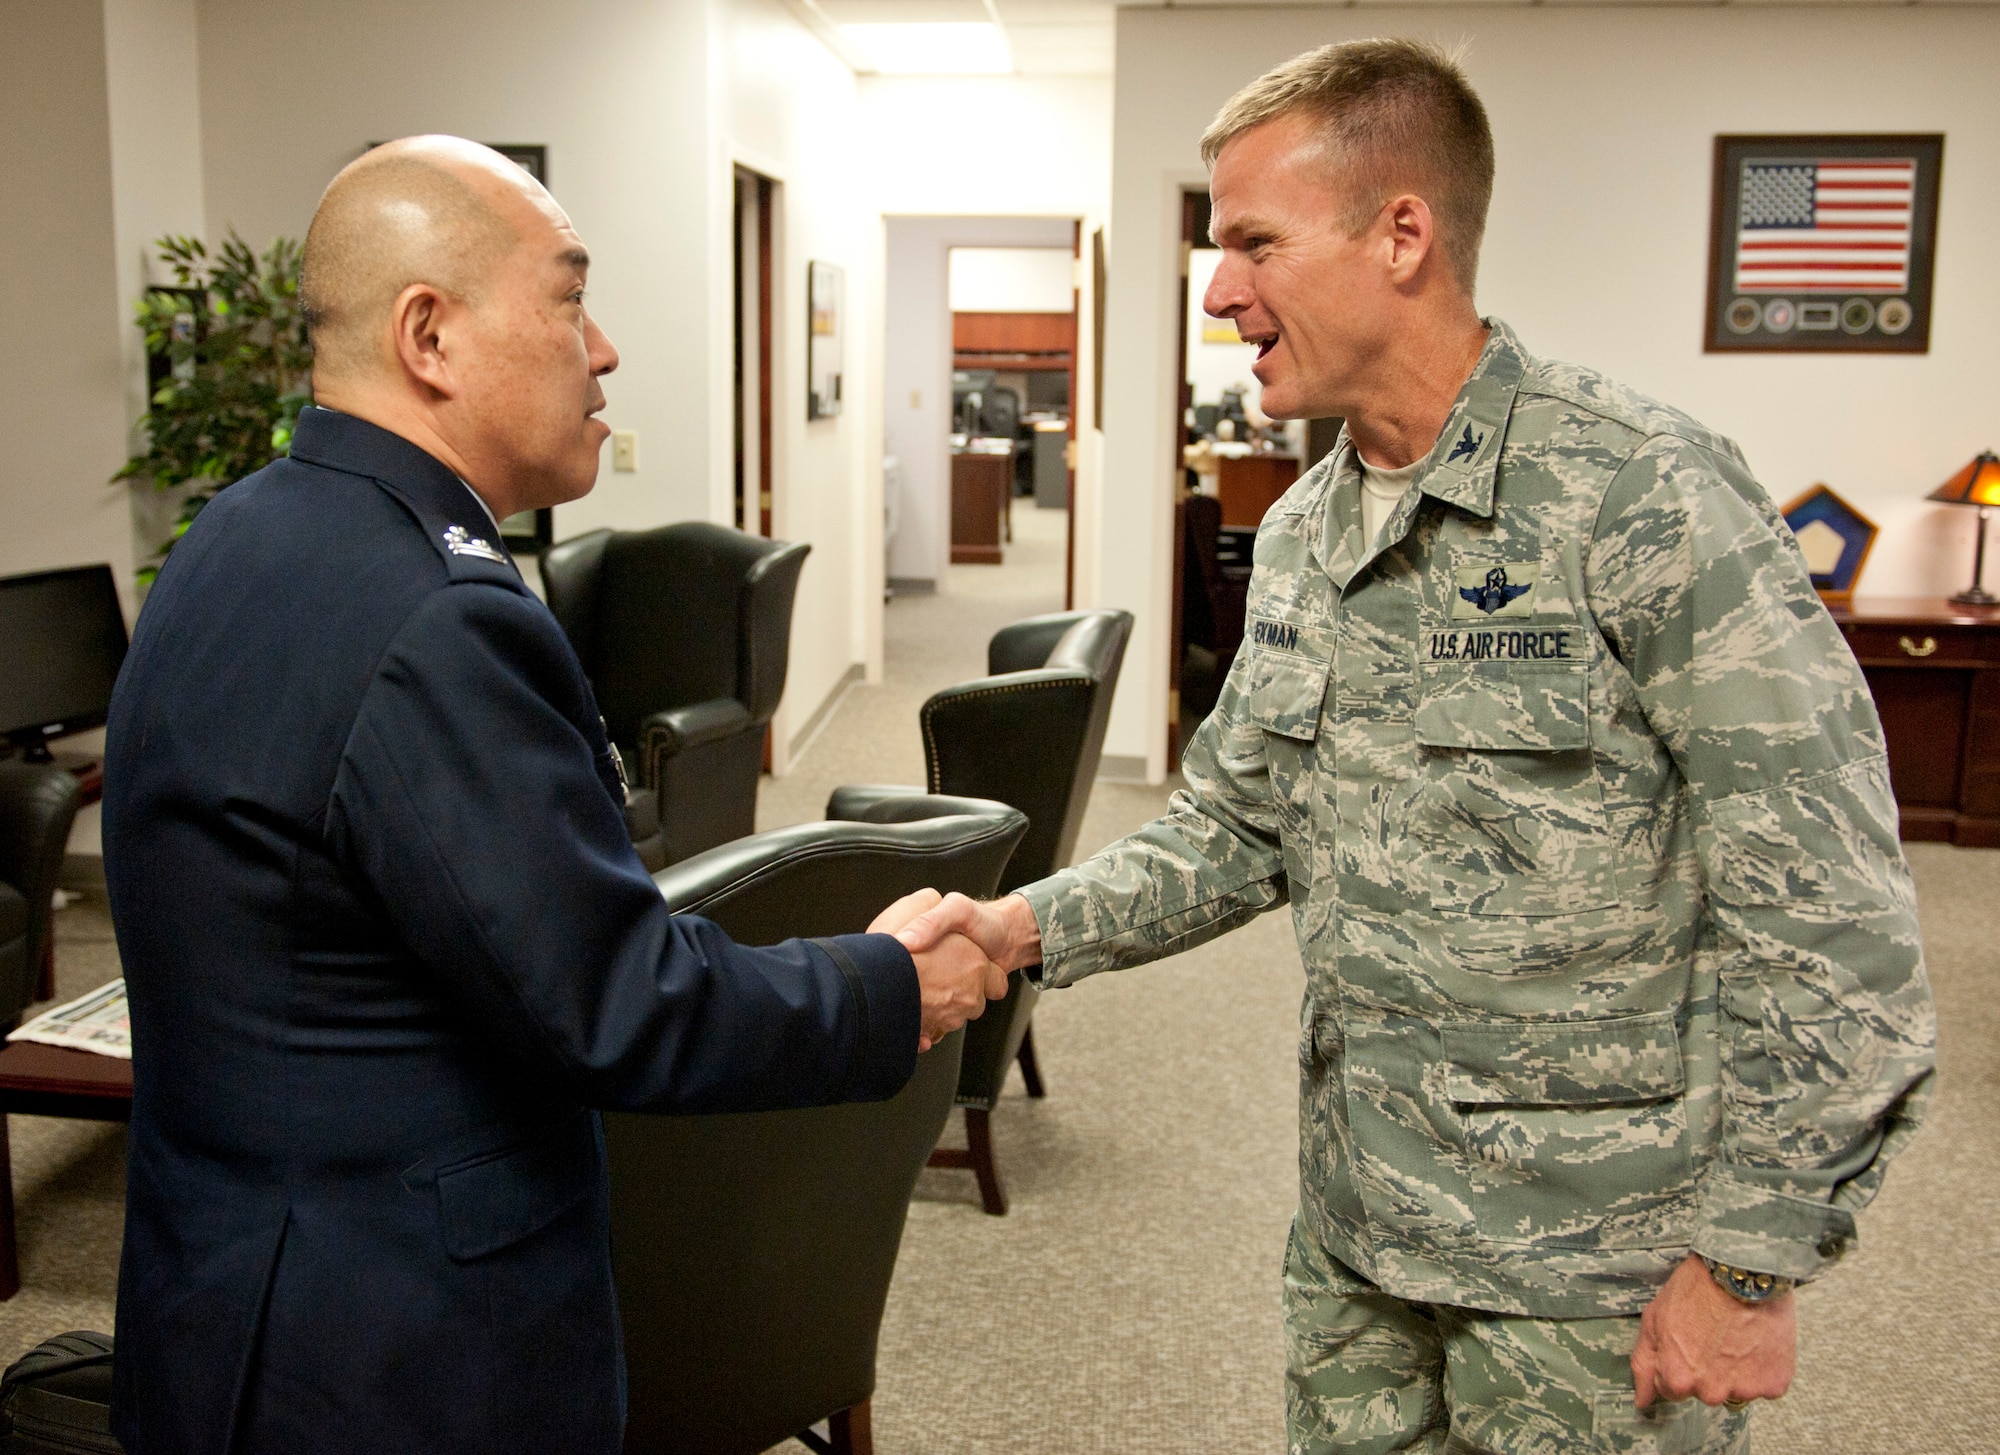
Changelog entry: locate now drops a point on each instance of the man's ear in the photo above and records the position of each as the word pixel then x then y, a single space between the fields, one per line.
pixel 421 327
pixel 1412 234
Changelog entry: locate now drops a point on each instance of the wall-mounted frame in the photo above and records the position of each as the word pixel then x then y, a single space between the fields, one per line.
pixel 1823 244
pixel 1835 538
pixel 530 158
pixel 826 283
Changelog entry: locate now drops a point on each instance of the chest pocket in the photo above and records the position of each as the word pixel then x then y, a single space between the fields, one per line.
pixel 1508 817
pixel 1284 697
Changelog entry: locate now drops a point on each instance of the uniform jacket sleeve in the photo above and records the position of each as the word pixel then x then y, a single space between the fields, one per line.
pixel 469 801
pixel 1829 1036
pixel 1210 863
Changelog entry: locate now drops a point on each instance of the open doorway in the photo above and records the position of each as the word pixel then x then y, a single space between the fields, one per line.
pixel 980 404
pixel 755 203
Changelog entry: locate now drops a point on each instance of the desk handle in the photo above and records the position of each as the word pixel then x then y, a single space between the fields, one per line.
pixel 1911 649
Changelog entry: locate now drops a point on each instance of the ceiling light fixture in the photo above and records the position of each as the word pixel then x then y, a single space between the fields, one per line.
pixel 920 48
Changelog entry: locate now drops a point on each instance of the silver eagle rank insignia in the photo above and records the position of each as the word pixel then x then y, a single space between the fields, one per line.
pixel 462 542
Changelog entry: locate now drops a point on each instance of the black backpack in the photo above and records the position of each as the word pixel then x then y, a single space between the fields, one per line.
pixel 56 1399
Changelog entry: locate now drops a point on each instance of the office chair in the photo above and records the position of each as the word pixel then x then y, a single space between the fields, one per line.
pixel 685 633
pixel 1030 735
pixel 753 1252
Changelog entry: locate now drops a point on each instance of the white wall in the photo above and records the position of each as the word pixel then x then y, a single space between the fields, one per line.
pixel 1010 280
pixel 62 401
pixel 1598 244
pixel 917 354
pixel 787 108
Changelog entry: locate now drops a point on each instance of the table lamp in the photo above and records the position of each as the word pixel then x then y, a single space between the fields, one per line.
pixel 1977 484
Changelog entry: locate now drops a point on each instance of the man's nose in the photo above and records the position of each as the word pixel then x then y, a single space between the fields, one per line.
pixel 1229 291
pixel 603 356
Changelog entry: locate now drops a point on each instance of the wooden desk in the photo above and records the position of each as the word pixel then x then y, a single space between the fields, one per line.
pixel 49 1081
pixel 1249 485
pixel 1934 667
pixel 982 487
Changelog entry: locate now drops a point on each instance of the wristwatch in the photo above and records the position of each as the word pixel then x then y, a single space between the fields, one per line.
pixel 1747 1287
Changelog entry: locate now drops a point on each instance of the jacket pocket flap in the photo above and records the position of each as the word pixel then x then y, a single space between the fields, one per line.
pixel 1563 1063
pixel 1285 693
pixel 493 1201
pixel 1504 707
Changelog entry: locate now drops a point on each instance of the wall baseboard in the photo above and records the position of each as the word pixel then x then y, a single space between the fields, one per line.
pixel 823 714
pixel 1113 768
pixel 912 586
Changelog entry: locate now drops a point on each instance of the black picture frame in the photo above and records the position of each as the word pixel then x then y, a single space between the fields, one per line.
pixel 1820 278
pixel 530 157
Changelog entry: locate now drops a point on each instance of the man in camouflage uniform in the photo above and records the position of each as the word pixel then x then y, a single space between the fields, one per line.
pixel 1615 1009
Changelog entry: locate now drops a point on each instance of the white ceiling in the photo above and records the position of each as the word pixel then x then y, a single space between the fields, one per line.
pixel 1074 37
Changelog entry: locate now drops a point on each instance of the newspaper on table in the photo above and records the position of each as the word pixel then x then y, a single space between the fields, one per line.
pixel 100 1021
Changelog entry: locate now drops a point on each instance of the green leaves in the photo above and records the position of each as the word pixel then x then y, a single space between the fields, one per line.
pixel 232 333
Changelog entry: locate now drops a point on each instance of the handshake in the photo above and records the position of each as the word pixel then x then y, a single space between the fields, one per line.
pixel 963 952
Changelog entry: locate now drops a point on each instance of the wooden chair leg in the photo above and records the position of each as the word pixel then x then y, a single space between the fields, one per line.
pixel 1031 1071
pixel 852 1431
pixel 10 1260
pixel 977 1154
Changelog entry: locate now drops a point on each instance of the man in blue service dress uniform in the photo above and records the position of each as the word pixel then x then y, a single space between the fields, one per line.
pixel 386 939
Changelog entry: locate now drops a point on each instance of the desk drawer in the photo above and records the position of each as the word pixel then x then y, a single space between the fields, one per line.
pixel 1909 646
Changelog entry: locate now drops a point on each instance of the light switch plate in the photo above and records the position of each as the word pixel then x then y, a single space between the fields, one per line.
pixel 625 450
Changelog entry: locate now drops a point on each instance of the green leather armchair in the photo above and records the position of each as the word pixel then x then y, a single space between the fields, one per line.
pixel 1031 735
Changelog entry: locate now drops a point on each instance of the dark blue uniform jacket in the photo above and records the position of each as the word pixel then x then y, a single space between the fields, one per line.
pixel 387 944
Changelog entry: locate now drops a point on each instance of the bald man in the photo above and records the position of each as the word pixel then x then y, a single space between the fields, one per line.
pixel 386 940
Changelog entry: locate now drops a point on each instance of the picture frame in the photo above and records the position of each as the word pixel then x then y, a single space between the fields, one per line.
pixel 826 285
pixel 1823 243
pixel 1835 538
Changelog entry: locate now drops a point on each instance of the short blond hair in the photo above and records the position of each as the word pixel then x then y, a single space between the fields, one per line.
pixel 1392 116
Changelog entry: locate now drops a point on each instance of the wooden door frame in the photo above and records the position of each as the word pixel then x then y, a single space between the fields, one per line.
pixel 1194 233
pixel 766 197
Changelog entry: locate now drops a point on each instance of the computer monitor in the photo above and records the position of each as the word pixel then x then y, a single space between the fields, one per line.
pixel 62 641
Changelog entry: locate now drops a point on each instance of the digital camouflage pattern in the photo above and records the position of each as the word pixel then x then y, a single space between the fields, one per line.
pixel 1368 1372
pixel 1580 805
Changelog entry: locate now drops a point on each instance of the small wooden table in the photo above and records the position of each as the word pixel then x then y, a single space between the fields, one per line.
pixel 982 490
pixel 49 1081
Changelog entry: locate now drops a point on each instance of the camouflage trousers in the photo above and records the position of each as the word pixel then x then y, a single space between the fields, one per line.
pixel 1368 1372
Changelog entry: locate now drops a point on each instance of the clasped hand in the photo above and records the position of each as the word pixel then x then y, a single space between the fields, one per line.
pixel 954 975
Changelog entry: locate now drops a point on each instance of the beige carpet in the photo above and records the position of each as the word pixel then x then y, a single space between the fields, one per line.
pixel 1128 1302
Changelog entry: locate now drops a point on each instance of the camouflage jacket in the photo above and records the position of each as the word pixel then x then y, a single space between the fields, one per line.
pixel 1580 805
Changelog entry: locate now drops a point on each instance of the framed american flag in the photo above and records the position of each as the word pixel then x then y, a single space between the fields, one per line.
pixel 1823 244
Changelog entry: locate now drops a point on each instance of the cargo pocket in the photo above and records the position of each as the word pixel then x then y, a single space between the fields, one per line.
pixel 495 1199
pixel 1574 1132
pixel 1509 816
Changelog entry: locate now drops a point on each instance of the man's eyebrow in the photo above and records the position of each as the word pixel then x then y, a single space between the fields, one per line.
pixel 576 258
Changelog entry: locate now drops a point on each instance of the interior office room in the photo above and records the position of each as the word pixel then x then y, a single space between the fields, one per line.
pixel 916 285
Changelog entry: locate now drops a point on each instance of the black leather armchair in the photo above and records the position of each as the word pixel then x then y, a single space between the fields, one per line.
pixel 753 1252
pixel 37 806
pixel 1029 735
pixel 685 632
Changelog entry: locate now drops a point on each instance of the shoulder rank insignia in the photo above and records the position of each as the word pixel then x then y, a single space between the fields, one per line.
pixel 462 542
pixel 1466 447
pixel 1489 591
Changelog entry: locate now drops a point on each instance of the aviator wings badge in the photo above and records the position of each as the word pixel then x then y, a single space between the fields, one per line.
pixel 1490 591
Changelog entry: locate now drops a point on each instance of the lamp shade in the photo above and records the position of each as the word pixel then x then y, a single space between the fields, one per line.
pixel 1977 484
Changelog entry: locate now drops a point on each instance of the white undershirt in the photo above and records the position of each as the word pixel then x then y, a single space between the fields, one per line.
pixel 1380 491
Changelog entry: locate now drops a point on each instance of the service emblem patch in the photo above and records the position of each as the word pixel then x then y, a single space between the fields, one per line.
pixel 462 542
pixel 1505 589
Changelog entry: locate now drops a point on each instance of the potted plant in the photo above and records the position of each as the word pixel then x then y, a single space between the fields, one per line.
pixel 231 368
